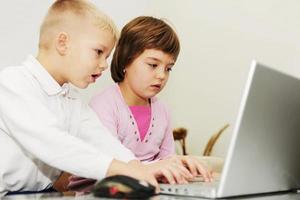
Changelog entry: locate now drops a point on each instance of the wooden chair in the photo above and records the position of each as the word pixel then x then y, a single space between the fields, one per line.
pixel 180 135
pixel 213 139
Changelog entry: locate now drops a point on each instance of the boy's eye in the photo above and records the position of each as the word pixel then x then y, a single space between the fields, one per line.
pixel 98 51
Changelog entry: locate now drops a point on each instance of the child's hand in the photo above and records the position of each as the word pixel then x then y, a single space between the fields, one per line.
pixel 170 170
pixel 195 167
pixel 133 169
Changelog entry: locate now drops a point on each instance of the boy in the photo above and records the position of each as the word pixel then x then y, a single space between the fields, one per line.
pixel 44 127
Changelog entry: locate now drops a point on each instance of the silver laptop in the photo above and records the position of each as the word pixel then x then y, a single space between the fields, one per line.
pixel 264 152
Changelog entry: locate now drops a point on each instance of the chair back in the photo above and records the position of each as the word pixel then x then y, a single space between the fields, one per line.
pixel 180 135
pixel 212 141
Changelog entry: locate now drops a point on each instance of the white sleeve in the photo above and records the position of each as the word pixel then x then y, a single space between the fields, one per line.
pixel 35 129
pixel 94 132
pixel 2 190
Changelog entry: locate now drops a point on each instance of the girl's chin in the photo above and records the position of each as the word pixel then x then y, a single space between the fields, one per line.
pixel 150 95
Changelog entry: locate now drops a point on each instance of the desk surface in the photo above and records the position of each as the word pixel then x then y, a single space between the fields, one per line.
pixel 58 196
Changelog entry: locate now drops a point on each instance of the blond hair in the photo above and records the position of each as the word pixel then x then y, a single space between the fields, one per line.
pixel 63 12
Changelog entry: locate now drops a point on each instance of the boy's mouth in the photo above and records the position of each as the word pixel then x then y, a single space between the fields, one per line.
pixel 95 76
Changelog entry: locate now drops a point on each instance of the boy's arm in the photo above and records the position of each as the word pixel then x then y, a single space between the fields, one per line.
pixel 28 121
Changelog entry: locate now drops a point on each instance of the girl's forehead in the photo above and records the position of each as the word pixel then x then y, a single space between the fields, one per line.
pixel 157 54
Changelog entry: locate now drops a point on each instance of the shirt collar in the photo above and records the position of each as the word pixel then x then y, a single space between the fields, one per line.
pixel 46 81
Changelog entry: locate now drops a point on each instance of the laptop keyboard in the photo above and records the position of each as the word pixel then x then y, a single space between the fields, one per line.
pixel 216 178
pixel 190 189
pixel 183 189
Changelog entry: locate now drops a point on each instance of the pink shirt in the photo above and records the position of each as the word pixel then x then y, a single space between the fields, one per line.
pixel 115 114
pixel 142 116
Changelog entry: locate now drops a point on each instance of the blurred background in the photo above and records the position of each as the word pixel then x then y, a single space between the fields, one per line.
pixel 218 38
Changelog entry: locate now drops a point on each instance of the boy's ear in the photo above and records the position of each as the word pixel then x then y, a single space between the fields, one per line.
pixel 61 43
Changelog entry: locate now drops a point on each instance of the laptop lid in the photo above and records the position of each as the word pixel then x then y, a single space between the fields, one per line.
pixel 264 152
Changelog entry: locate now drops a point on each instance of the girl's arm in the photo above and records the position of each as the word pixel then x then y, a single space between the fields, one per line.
pixel 102 106
pixel 101 138
pixel 167 147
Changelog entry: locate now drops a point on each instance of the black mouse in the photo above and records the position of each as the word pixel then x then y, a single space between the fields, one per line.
pixel 120 186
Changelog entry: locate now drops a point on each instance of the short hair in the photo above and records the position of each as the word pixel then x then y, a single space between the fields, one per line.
pixel 60 10
pixel 142 33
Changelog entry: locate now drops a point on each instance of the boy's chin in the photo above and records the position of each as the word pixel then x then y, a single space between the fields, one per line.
pixel 80 85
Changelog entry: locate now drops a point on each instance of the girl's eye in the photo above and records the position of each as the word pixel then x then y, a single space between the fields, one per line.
pixel 169 69
pixel 153 65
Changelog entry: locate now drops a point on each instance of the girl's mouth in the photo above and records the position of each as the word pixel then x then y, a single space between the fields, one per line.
pixel 156 86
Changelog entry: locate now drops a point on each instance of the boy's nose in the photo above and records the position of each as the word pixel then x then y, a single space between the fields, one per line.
pixel 103 65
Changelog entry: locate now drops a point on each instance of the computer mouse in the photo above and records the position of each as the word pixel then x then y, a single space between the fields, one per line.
pixel 120 186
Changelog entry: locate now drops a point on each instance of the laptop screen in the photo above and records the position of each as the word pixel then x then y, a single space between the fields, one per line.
pixel 264 152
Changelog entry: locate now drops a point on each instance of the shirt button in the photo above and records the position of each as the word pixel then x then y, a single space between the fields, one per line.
pixel 132 123
pixel 153 118
pixel 135 132
pixel 146 141
pixel 150 133
pixel 137 139
pixel 130 117
pixel 152 125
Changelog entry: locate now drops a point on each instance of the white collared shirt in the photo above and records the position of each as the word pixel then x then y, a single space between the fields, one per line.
pixel 45 128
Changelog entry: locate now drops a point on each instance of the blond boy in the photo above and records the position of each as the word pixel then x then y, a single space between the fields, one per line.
pixel 44 127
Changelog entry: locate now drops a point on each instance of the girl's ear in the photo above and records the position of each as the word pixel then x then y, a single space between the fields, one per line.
pixel 61 43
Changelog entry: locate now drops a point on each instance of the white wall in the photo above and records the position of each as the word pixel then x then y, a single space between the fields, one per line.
pixel 19 22
pixel 219 39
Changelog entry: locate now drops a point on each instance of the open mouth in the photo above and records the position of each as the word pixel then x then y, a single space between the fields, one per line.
pixel 95 76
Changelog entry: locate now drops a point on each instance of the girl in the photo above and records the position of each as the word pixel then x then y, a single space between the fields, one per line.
pixel 143 59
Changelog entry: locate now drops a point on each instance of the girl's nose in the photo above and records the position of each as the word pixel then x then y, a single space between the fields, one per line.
pixel 161 73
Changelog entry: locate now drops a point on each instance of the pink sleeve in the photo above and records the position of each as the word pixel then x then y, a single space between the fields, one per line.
pixel 103 106
pixel 167 147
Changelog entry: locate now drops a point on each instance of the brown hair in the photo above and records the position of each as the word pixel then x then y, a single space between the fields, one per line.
pixel 142 33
